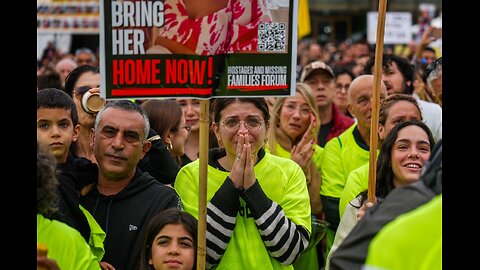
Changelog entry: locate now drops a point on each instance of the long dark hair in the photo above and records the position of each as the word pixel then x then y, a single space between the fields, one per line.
pixel 384 164
pixel 164 115
pixel 166 217
pixel 403 66
pixel 384 184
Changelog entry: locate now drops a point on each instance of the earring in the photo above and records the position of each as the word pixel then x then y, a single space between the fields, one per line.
pixel 169 146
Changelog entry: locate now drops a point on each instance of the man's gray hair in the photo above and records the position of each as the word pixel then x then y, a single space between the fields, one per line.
pixel 125 105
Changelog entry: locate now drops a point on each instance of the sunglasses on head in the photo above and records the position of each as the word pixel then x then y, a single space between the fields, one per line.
pixel 432 66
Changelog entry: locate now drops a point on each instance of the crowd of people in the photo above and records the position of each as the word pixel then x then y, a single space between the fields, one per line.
pixel 118 188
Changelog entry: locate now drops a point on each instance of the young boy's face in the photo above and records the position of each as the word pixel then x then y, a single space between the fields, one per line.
pixel 55 131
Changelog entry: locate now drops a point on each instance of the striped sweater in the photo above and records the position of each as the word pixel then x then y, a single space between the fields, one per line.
pixel 266 226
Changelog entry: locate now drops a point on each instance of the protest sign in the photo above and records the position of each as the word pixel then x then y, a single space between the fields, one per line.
pixel 175 48
pixel 398 27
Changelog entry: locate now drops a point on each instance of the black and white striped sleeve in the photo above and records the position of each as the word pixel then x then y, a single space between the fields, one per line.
pixel 283 239
pixel 221 219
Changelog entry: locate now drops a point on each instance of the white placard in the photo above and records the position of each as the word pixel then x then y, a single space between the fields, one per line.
pixel 398 27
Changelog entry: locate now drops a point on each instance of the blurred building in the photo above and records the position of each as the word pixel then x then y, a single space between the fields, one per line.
pixel 338 20
pixel 72 24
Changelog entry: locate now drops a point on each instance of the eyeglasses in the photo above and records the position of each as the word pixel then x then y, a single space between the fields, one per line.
pixel 187 127
pixel 291 107
pixel 252 124
pixel 82 90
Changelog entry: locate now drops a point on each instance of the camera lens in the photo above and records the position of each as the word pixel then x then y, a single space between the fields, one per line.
pixel 92 102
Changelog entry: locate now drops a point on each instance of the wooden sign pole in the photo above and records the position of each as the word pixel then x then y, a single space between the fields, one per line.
pixel 202 196
pixel 382 6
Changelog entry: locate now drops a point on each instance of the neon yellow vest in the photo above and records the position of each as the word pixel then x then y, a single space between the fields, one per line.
pixel 341 156
pixel 281 179
pixel 411 241
pixel 65 245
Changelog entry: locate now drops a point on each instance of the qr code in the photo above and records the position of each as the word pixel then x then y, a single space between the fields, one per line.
pixel 271 37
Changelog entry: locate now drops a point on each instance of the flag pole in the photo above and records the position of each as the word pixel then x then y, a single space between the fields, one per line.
pixel 377 74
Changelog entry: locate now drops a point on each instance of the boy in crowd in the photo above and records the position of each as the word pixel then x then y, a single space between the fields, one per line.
pixel 57 130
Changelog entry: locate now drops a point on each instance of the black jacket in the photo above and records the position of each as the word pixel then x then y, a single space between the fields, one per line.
pixel 124 216
pixel 352 253
pixel 68 187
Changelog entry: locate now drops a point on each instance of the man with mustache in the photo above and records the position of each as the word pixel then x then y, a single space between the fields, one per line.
pixel 124 198
pixel 398 77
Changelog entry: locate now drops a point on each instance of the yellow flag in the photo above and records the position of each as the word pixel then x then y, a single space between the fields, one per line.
pixel 303 19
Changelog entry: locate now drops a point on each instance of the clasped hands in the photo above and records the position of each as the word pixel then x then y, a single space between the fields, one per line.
pixel 242 173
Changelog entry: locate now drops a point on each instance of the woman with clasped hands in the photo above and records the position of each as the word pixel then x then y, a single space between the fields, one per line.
pixel 258 207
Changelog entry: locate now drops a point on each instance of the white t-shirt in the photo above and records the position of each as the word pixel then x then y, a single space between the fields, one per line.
pixel 432 117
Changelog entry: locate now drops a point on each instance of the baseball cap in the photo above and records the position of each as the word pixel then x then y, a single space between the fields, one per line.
pixel 315 67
